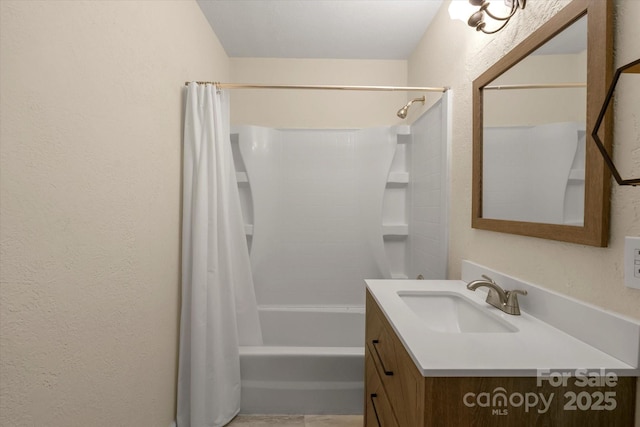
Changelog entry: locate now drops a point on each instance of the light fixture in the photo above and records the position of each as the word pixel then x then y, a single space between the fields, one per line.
pixel 459 9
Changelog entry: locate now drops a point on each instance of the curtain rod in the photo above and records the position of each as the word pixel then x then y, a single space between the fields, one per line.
pixel 323 87
pixel 537 86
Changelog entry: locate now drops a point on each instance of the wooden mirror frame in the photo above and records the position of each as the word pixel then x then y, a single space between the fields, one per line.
pixel 595 229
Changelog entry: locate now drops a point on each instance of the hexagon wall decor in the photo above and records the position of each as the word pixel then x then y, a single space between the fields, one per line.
pixel 632 67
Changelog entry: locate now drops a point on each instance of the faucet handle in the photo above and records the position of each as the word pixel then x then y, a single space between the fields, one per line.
pixel 512 301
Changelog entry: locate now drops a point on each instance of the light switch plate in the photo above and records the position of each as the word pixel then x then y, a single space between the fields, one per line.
pixel 632 262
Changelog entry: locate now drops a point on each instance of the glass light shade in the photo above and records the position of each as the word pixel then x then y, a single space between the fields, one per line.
pixel 461 10
pixel 500 7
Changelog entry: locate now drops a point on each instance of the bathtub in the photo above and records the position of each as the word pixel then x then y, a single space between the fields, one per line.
pixel 312 362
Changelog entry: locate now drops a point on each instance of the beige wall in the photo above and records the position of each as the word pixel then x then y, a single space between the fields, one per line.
pixel 590 274
pixel 91 105
pixel 317 109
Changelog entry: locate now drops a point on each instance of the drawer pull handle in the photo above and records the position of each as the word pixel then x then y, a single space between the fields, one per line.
pixel 375 411
pixel 386 372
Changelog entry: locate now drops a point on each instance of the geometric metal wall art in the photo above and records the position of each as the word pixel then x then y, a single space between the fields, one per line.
pixel 632 67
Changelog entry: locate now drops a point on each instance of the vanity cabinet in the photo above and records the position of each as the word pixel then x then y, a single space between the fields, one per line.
pixel 388 364
pixel 398 395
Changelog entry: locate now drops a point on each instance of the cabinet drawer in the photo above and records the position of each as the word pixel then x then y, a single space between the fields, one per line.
pixel 377 406
pixel 382 350
pixel 400 379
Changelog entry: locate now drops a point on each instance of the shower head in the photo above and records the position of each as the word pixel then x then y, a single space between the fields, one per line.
pixel 402 113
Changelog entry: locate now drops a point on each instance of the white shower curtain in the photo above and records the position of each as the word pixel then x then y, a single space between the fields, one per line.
pixel 219 310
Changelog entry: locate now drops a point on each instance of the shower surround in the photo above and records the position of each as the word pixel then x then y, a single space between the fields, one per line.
pixel 317 211
pixel 324 210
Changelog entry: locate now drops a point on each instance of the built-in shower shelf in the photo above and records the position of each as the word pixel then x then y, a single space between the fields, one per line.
pixel 576 175
pixel 395 230
pixel 248 229
pixel 242 177
pixel 403 130
pixel 397 179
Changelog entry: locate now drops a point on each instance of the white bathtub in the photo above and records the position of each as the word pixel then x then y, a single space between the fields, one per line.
pixel 312 362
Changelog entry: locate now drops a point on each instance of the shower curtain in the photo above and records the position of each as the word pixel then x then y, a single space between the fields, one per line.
pixel 219 310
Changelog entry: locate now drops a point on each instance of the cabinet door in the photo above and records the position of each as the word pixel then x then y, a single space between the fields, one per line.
pixel 402 382
pixel 378 412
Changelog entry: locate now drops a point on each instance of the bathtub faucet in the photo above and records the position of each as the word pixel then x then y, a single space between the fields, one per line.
pixel 506 301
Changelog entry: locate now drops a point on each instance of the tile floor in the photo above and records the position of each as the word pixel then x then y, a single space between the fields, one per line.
pixel 297 421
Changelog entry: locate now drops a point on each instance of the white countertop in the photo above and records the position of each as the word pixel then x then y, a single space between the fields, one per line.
pixel 536 345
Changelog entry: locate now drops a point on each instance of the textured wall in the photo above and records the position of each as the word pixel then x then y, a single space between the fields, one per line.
pixel 90 206
pixel 590 274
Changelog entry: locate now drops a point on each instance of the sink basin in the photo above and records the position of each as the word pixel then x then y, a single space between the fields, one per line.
pixel 451 312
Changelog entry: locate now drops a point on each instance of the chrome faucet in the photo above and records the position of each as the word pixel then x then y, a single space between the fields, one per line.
pixel 506 301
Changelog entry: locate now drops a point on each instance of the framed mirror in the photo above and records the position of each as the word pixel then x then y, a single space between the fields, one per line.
pixel 536 170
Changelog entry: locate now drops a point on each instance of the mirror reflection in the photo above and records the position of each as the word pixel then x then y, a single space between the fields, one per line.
pixel 534 120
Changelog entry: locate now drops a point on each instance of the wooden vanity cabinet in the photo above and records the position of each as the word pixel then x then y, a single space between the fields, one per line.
pixel 397 395
pixel 389 363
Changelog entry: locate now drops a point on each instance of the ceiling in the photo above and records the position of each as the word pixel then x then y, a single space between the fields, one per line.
pixel 341 29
